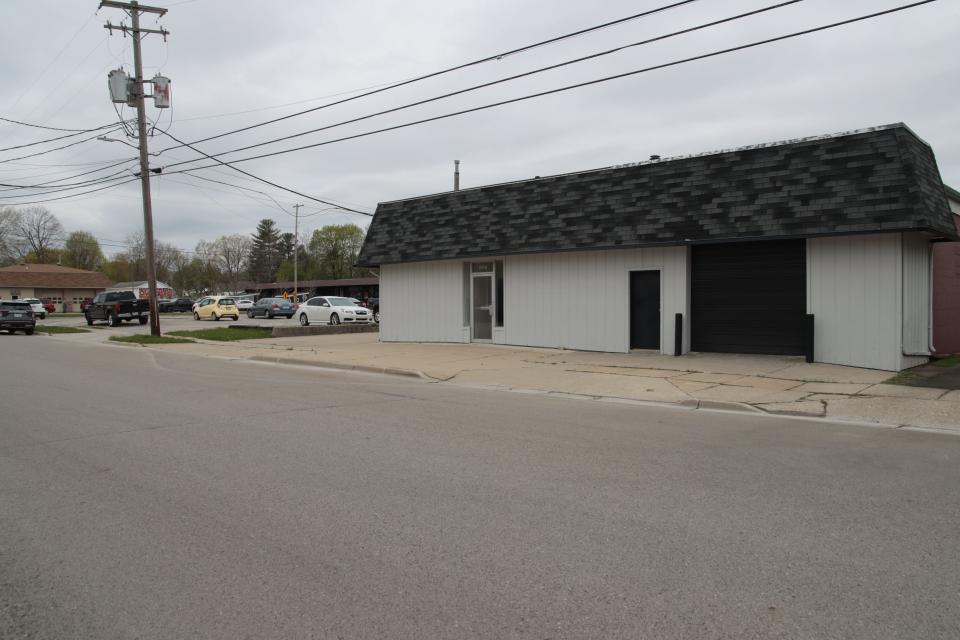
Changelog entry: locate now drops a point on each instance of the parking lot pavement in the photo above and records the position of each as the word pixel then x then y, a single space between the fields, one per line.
pixel 168 322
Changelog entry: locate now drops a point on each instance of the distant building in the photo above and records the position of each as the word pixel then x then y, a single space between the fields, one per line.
pixel 361 288
pixel 66 287
pixel 142 289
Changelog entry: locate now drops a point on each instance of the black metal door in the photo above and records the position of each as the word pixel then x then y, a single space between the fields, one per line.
pixel 644 309
pixel 749 297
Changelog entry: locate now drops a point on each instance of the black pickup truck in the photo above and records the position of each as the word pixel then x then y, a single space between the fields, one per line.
pixel 117 306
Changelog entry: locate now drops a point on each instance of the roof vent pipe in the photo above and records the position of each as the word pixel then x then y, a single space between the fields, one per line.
pixel 456 175
pixel 654 157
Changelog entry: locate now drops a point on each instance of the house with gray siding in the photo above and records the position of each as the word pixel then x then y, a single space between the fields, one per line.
pixel 818 246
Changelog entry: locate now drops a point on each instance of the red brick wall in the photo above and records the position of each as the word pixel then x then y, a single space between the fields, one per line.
pixel 946 297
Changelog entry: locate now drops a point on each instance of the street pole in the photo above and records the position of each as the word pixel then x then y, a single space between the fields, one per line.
pixel 296 246
pixel 135 9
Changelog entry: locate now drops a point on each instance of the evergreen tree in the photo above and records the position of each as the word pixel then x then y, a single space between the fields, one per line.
pixel 264 253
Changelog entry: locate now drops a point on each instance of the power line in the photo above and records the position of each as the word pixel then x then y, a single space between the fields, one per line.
pixel 247 173
pixel 503 80
pixel 57 182
pixel 110 186
pixel 66 146
pixel 64 137
pixel 572 86
pixel 434 74
pixel 40 126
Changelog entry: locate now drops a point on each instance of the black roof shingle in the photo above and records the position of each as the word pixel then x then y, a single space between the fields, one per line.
pixel 877 180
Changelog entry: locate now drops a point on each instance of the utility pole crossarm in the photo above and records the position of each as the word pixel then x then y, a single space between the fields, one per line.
pixel 130 6
pixel 159 32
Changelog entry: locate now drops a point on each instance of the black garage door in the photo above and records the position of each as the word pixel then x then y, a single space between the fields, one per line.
pixel 749 297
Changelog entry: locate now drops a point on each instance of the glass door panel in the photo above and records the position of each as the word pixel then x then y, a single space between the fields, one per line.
pixel 482 308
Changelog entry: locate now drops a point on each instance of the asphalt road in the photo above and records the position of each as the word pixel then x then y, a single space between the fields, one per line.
pixel 155 495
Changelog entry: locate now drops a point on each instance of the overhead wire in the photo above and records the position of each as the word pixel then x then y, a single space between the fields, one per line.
pixel 491 83
pixel 64 137
pixel 66 146
pixel 570 87
pixel 434 74
pixel 263 180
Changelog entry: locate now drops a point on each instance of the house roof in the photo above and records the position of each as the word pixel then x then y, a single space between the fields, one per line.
pixel 51 276
pixel 874 180
pixel 137 284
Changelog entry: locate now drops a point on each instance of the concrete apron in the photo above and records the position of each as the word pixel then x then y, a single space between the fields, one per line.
pixel 769 384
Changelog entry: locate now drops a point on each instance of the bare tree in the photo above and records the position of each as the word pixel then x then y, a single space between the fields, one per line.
pixel 11 244
pixel 231 254
pixel 41 231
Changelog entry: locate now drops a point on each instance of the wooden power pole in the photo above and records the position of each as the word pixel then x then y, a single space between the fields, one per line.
pixel 134 9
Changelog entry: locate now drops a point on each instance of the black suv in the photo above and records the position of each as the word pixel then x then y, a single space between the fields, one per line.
pixel 17 316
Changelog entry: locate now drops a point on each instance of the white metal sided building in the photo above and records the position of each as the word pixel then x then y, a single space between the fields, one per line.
pixel 818 247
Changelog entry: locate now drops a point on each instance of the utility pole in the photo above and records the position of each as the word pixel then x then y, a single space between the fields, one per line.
pixel 134 9
pixel 296 246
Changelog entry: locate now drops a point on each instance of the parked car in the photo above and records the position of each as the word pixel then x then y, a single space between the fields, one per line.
pixel 37 306
pixel 374 305
pixel 116 307
pixel 216 307
pixel 270 307
pixel 84 304
pixel 333 310
pixel 244 303
pixel 177 304
pixel 17 315
pixel 48 305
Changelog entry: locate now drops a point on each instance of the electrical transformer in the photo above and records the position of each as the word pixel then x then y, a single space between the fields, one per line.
pixel 161 92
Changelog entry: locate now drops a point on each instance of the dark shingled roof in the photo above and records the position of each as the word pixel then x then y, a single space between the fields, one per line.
pixel 876 180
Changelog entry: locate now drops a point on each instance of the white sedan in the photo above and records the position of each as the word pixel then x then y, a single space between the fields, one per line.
pixel 244 303
pixel 332 310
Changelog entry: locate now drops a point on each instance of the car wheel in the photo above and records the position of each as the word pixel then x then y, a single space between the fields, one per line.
pixel 215 317
pixel 334 318
pixel 376 317
pixel 269 315
pixel 142 320
pixel 250 314
pixel 89 319
pixel 196 316
pixel 114 319
pixel 304 320
pixel 29 332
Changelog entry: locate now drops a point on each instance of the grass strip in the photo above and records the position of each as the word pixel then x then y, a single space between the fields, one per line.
pixel 148 339
pixel 54 329
pixel 948 362
pixel 226 334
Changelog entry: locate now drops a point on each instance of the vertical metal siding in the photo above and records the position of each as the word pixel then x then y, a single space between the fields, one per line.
pixel 422 302
pixel 581 300
pixel 916 294
pixel 854 287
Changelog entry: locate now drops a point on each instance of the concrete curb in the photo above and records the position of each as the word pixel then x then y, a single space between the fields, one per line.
pixel 723 405
pixel 390 371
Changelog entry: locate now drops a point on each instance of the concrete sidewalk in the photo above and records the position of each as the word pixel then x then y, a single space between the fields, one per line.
pixel 773 384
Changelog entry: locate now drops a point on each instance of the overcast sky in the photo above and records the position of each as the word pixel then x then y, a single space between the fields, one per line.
pixel 230 56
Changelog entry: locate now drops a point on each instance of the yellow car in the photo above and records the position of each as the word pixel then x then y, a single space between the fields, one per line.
pixel 216 307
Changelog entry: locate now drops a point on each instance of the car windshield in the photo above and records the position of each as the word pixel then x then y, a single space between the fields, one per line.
pixel 340 302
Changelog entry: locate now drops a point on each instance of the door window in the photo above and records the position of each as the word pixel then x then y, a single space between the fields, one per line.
pixel 482 308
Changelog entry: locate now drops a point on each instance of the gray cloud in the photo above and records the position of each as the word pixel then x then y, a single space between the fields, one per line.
pixel 234 56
